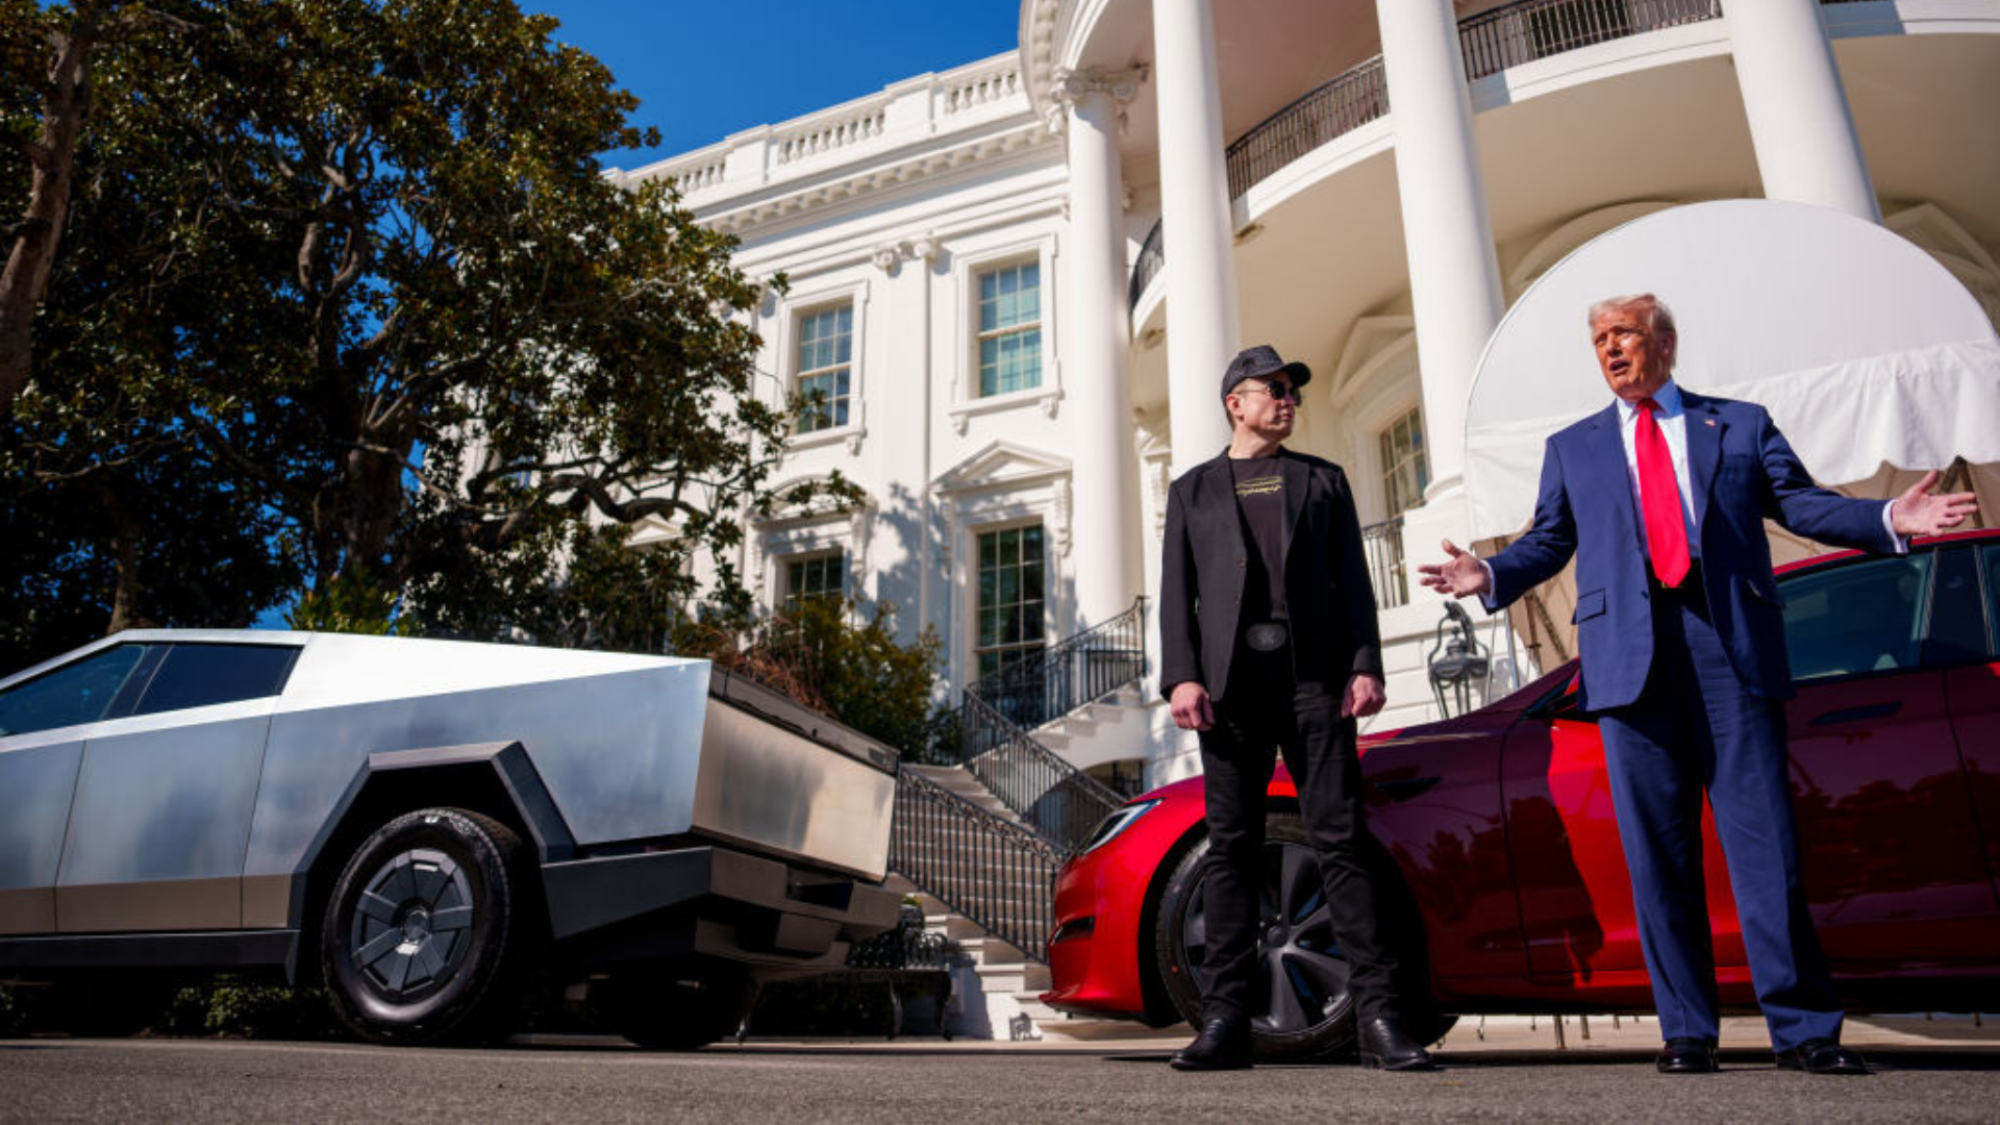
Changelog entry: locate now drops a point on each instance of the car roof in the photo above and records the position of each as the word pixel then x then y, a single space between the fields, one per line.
pixel 1969 536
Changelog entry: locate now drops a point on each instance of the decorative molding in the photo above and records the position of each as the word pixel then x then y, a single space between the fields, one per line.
pixel 887 256
pixel 1001 464
pixel 1159 478
pixel 1072 86
pixel 1047 397
pixel 1061 510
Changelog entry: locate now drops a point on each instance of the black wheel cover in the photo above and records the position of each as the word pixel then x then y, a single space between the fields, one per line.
pixel 1304 971
pixel 413 925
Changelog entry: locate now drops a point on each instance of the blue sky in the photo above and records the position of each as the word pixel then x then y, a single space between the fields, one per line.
pixel 703 70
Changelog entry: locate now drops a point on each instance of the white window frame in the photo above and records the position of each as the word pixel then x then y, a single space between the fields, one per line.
pixel 966 268
pixel 974 534
pixel 792 316
pixel 1383 464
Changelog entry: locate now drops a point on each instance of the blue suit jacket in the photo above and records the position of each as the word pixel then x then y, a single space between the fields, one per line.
pixel 1742 472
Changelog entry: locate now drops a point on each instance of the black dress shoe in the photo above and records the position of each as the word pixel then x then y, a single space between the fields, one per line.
pixel 1822 1056
pixel 1687 1056
pixel 1224 1044
pixel 1386 1046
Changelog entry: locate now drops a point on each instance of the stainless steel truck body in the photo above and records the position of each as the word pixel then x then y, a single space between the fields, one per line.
pixel 221 798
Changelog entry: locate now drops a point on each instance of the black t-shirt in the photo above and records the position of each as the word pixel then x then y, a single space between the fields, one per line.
pixel 1260 500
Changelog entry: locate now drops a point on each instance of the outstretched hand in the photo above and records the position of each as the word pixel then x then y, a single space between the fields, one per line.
pixel 1918 511
pixel 1460 575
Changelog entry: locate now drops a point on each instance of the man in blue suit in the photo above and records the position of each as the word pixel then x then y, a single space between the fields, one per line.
pixel 1661 498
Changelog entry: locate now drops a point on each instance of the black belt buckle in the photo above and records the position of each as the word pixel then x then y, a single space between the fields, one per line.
pixel 1267 636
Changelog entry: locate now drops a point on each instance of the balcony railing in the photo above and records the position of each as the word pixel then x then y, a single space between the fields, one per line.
pixel 1489 43
pixel 1383 544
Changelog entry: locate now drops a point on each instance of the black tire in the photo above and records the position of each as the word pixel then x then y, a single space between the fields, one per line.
pixel 662 1010
pixel 458 888
pixel 1311 1015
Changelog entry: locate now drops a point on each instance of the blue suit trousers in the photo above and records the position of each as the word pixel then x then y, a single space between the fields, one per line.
pixel 1693 729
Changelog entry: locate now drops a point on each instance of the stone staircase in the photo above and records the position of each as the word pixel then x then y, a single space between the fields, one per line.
pixel 1110 729
pixel 998 989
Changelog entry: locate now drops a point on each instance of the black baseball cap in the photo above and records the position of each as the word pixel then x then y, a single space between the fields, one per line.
pixel 1261 362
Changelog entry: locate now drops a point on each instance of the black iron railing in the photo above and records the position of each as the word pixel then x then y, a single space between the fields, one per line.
pixel 993 871
pixel 1350 101
pixel 1489 43
pixel 1058 801
pixel 1383 544
pixel 1535 29
pixel 1152 257
pixel 1066 675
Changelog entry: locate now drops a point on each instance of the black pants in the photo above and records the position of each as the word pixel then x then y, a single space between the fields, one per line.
pixel 1262 714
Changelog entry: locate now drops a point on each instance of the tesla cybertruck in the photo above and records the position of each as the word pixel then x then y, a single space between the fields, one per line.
pixel 424 826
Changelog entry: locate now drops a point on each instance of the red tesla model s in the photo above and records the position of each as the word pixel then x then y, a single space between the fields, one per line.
pixel 1513 895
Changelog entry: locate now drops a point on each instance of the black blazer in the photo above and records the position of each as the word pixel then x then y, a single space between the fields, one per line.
pixel 1206 559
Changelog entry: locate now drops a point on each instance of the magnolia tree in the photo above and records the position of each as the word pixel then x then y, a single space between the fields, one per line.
pixel 345 303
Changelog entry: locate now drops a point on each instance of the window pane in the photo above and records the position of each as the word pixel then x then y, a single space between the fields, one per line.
pixel 1990 556
pixel 196 675
pixel 77 693
pixel 1863 617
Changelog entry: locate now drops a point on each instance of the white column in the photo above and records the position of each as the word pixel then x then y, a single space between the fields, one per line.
pixel 1454 273
pixel 1194 203
pixel 1097 338
pixel 1807 150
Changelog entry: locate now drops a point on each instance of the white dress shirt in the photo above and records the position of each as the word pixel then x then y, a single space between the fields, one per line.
pixel 1672 418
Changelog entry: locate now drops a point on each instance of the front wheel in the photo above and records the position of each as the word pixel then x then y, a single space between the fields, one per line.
pixel 426 936
pixel 1302 1008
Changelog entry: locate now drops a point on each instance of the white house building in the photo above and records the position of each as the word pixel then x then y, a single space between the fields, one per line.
pixel 1011 360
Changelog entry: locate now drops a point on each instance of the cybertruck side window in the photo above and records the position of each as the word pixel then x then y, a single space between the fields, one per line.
pixel 200 675
pixel 82 692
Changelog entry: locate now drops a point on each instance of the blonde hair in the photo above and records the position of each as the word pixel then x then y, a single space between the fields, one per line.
pixel 1659 318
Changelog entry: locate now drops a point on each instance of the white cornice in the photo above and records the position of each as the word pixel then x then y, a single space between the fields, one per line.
pixel 917 168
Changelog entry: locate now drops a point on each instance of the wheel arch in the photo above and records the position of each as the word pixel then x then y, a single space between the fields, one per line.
pixel 495 779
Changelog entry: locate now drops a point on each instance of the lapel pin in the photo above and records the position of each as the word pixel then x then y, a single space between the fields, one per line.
pixel 1709 421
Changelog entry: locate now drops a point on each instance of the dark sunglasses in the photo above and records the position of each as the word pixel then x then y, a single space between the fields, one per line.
pixel 1279 391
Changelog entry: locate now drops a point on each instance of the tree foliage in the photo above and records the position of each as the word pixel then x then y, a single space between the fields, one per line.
pixel 348 278
pixel 827 654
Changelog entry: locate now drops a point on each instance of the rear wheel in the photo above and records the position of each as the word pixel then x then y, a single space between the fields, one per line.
pixel 427 936
pixel 666 1011
pixel 1302 1008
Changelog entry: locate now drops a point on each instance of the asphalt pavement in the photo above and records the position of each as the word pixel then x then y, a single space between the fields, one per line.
pixel 1948 1072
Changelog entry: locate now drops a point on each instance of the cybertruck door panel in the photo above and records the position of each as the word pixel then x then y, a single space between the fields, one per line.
pixel 161 821
pixel 36 784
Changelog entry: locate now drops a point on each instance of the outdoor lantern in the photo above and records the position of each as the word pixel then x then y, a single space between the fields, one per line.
pixel 1456 660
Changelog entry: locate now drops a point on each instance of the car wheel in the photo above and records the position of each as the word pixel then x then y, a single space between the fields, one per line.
pixel 1304 1010
pixel 426 936
pixel 665 1011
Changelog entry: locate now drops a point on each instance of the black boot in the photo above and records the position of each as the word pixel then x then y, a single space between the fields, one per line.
pixel 1224 1044
pixel 1386 1046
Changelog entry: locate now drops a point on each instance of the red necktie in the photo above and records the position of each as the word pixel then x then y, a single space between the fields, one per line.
pixel 1660 495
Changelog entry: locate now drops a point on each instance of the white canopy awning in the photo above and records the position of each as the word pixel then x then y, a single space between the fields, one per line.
pixel 1866 351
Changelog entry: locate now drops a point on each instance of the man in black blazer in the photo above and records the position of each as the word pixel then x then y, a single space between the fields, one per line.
pixel 1267 624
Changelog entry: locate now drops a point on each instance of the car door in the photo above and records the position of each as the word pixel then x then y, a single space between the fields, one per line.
pixel 1973 688
pixel 164 795
pixel 43 720
pixel 1890 853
